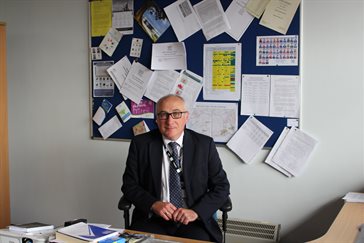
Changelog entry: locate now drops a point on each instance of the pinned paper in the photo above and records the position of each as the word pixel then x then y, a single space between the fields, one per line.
pixel 110 127
pixel 111 41
pixel 140 128
pixel 136 47
pixel 123 111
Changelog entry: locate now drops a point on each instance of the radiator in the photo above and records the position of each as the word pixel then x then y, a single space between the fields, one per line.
pixel 241 231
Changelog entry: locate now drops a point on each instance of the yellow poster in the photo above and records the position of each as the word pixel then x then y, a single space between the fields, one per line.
pixel 101 17
pixel 223 69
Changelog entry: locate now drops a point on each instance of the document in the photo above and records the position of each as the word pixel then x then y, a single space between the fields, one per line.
pixel 161 83
pixel 249 139
pixel 256 7
pixel 278 14
pixel 354 197
pixel 217 120
pixel 123 16
pixel 119 71
pixel 255 92
pixel 212 18
pixel 183 19
pixel 100 17
pixel 110 41
pixel 110 127
pixel 285 96
pixel 294 151
pixel 188 86
pixel 278 143
pixel 103 86
pixel 270 95
pixel 136 82
pixel 277 50
pixel 169 56
pixel 238 18
pixel 222 71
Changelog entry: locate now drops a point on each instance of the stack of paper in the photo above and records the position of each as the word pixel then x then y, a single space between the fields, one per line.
pixel 31 227
pixel 290 153
pixel 82 232
pixel 354 197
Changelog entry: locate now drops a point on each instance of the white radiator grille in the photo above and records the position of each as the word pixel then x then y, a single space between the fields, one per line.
pixel 252 229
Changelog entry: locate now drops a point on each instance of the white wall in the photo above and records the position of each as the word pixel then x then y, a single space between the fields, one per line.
pixel 58 173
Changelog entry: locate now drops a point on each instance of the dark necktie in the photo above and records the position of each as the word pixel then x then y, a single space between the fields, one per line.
pixel 175 190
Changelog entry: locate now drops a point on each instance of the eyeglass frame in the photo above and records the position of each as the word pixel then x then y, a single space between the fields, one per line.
pixel 170 114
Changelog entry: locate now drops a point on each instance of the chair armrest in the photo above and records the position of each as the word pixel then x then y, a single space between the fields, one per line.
pixel 227 206
pixel 124 204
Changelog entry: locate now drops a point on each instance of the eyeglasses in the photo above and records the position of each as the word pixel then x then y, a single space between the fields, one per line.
pixel 163 115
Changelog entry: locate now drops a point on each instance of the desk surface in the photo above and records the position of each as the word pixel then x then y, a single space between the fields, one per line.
pixel 166 237
pixel 345 226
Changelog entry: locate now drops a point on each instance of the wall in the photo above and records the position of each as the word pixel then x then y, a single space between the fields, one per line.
pixel 57 173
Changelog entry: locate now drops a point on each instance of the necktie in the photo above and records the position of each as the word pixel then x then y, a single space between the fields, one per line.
pixel 175 190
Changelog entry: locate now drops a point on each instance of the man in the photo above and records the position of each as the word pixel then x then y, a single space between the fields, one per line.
pixel 151 164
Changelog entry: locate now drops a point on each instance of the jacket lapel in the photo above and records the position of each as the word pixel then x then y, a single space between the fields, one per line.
pixel 188 151
pixel 156 157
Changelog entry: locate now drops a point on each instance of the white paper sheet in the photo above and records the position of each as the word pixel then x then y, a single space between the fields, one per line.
pixel 169 56
pixel 183 19
pixel 212 18
pixel 255 91
pixel 103 86
pixel 110 41
pixel 188 86
pixel 256 7
pixel 249 139
pixel 278 14
pixel 119 71
pixel 222 71
pixel 238 18
pixel 99 116
pixel 123 16
pixel 217 120
pixel 161 83
pixel 285 96
pixel 277 144
pixel 136 82
pixel 294 151
pixel 110 127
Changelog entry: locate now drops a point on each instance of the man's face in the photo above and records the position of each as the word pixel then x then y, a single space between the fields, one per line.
pixel 172 128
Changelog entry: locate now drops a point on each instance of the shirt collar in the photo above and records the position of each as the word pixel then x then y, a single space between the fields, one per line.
pixel 179 140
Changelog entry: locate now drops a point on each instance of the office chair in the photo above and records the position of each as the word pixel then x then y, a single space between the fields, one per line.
pixel 125 206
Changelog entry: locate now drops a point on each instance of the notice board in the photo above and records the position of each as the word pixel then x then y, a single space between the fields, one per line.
pixel 194 48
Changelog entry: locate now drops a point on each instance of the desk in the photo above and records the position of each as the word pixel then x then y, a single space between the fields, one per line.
pixel 345 226
pixel 166 237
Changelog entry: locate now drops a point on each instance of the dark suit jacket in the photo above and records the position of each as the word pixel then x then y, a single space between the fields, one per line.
pixel 207 186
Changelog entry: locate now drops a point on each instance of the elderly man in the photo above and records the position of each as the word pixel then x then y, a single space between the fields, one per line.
pixel 174 177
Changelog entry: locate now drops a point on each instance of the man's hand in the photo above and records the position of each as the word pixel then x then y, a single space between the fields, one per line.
pixel 184 215
pixel 164 209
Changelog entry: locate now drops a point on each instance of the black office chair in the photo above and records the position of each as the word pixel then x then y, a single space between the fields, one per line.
pixel 125 206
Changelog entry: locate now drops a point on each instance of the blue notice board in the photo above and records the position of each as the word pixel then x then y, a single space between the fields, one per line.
pixel 194 47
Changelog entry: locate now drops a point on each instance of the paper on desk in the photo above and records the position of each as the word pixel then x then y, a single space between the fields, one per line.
pixel 183 19
pixel 354 197
pixel 294 151
pixel 249 139
pixel 212 18
pixel 110 127
pixel 278 14
pixel 136 82
pixel 238 18
pixel 169 56
pixel 119 71
pixel 161 84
